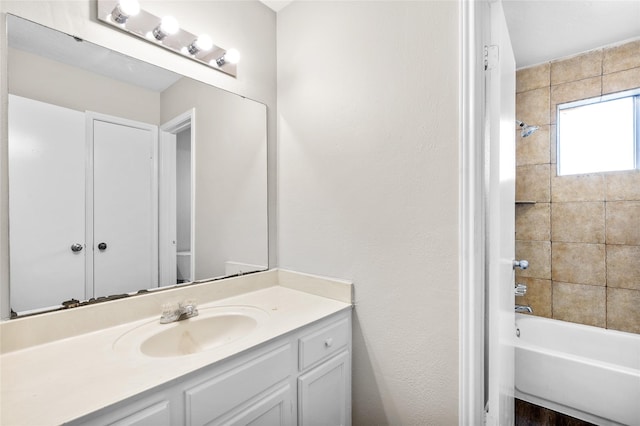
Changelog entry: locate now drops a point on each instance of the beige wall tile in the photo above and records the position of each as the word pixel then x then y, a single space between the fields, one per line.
pixel 532 78
pixel 533 222
pixel 538 296
pixel 622 310
pixel 532 106
pixel 623 186
pixel 578 263
pixel 621 57
pixel 578 222
pixel 538 253
pixel 623 266
pixel 577 68
pixel 583 304
pixel 573 91
pixel 577 188
pixel 623 222
pixel 533 183
pixel 622 80
pixel 533 149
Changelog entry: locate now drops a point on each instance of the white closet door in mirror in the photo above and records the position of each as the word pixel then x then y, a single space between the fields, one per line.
pixel 125 215
pixel 46 204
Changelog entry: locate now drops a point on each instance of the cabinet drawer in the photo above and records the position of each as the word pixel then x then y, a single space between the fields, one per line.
pixel 156 415
pixel 214 397
pixel 322 343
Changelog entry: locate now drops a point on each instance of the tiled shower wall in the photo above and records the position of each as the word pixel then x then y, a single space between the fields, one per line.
pixel 580 233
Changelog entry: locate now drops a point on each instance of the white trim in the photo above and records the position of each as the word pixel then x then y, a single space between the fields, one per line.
pixel 88 208
pixel 167 244
pixel 471 217
pixel 194 188
pixel 167 215
pixel 5 308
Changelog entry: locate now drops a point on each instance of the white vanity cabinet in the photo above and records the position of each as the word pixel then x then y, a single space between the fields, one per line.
pixel 325 363
pixel 303 377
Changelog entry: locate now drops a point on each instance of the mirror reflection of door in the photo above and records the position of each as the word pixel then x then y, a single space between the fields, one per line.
pixel 123 205
pixel 82 209
pixel 46 203
pixel 177 151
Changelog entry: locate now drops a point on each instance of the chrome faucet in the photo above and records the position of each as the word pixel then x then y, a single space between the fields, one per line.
pixel 185 310
pixel 524 309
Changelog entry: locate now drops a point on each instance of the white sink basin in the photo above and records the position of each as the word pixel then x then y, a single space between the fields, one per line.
pixel 212 328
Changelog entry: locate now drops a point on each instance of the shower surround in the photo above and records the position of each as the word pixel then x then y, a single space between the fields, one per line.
pixel 580 233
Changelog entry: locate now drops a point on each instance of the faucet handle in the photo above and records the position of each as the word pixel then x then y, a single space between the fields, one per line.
pixel 189 308
pixel 520 289
pixel 522 264
pixel 170 312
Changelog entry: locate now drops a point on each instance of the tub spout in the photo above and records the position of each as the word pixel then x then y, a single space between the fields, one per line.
pixel 524 309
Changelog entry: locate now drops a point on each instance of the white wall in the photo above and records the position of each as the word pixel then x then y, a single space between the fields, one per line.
pixel 36 77
pixel 230 169
pixel 248 26
pixel 368 189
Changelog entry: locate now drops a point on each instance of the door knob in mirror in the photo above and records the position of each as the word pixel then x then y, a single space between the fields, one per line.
pixel 76 247
pixel 102 246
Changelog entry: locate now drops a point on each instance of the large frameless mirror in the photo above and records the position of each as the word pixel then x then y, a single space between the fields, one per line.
pixel 124 176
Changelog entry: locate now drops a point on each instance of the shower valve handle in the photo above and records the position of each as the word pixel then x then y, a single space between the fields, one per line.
pixel 520 289
pixel 522 264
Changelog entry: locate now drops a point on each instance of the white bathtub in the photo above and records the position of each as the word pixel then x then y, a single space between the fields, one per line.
pixel 586 372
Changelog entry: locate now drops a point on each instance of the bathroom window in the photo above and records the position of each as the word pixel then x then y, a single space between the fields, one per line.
pixel 600 134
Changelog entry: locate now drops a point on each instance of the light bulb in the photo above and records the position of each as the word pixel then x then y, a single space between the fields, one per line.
pixel 232 56
pixel 129 7
pixel 124 10
pixel 168 25
pixel 203 42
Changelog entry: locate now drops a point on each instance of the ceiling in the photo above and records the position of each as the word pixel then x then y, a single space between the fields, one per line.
pixel 541 31
pixel 40 40
pixel 276 5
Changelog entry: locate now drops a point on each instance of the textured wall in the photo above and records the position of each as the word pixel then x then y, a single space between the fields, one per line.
pixel 582 235
pixel 368 189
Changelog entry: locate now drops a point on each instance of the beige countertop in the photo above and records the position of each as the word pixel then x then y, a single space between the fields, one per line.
pixel 64 379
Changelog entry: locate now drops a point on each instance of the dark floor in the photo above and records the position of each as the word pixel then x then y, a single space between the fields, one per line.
pixel 532 415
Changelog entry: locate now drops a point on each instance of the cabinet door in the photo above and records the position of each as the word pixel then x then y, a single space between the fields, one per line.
pixel 273 410
pixel 324 393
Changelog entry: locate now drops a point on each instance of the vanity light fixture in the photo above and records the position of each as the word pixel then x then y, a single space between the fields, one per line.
pixel 124 9
pixel 168 26
pixel 126 15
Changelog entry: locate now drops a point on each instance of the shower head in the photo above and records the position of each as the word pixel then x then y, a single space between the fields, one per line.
pixel 527 130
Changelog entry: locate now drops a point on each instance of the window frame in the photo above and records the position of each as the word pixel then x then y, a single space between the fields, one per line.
pixel 633 93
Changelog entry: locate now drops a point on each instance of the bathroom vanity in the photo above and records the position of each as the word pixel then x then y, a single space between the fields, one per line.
pixel 276 350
